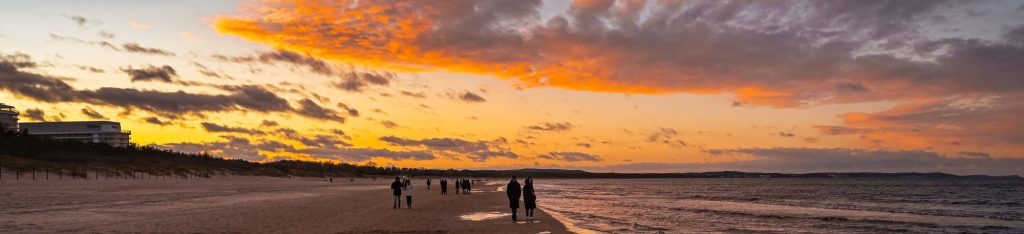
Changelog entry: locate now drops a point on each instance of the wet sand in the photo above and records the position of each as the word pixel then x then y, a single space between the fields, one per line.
pixel 252 205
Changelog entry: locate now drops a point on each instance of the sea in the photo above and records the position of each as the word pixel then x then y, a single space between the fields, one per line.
pixel 777 205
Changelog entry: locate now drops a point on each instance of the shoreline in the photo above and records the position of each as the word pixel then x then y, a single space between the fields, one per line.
pixel 255 204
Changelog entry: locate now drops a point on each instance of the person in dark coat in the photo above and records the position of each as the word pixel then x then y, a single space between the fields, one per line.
pixel 529 198
pixel 514 191
pixel 444 186
pixel 428 184
pixel 396 188
pixel 458 186
pixel 466 186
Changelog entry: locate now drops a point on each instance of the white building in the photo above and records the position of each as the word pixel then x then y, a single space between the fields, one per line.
pixel 8 118
pixel 84 131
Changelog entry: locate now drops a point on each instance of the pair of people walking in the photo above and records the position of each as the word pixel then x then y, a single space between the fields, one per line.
pixel 514 191
pixel 402 187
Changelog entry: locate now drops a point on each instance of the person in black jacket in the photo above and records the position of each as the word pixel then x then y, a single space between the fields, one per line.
pixel 514 191
pixel 466 185
pixel 529 198
pixel 458 185
pixel 396 188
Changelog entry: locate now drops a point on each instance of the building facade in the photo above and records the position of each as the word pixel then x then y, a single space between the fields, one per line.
pixel 8 118
pixel 85 131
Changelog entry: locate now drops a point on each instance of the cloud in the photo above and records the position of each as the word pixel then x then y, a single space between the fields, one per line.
pixel 163 73
pixel 206 71
pixel 667 136
pixel 990 122
pixel 241 148
pixel 475 150
pixel 280 56
pixel 131 47
pixel 90 69
pixel 81 20
pixel 217 128
pixel 389 124
pixel 471 97
pixel 840 130
pixel 358 81
pixel 570 156
pixel 759 51
pixel 309 108
pixel 92 113
pixel 551 127
pixel 157 121
pixel 34 114
pixel 415 95
pixel 806 160
pixel 351 111
pixel 269 123
pixel 136 48
pixel 169 104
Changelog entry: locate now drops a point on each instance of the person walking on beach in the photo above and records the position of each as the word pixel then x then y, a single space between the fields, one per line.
pixel 529 198
pixel 396 189
pixel 466 186
pixel 458 185
pixel 428 184
pixel 514 191
pixel 407 190
pixel 444 186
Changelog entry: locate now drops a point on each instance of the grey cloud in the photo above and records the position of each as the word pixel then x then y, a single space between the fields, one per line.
pixel 90 69
pixel 415 95
pixel 49 89
pixel 217 128
pixel 358 81
pixel 471 97
pixel 268 57
pixel 206 71
pixel 840 130
pixel 136 48
pixel 570 156
pixel 351 111
pixel 389 124
pixel 310 109
pixel 551 127
pixel 475 150
pixel 269 123
pixel 92 113
pixel 156 121
pixel 163 73
pixel 34 114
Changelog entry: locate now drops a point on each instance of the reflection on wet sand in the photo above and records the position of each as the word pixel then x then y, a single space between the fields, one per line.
pixel 479 216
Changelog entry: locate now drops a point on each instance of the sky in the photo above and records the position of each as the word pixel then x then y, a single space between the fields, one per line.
pixel 597 85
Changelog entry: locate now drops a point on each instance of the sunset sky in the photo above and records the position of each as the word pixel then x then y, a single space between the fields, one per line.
pixel 623 86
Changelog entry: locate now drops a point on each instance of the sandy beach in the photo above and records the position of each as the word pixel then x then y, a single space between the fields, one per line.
pixel 252 205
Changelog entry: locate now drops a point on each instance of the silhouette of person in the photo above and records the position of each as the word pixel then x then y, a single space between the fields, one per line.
pixel 529 198
pixel 428 184
pixel 458 185
pixel 407 190
pixel 444 186
pixel 514 191
pixel 466 186
pixel 396 189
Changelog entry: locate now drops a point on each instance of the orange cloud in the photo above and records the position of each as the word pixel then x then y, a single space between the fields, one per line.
pixel 630 46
